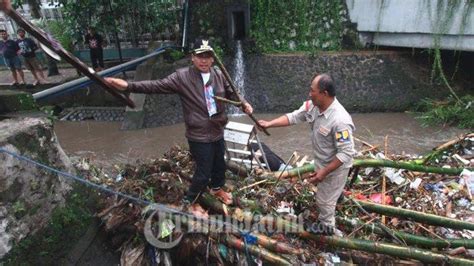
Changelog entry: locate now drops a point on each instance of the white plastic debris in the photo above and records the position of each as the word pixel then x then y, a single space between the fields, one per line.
pixel 368 170
pixel 285 208
pixel 468 178
pixel 394 176
pixel 415 184
pixel 462 202
pixel 458 158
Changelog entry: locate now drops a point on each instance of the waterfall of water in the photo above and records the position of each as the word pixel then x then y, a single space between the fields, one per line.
pixel 239 72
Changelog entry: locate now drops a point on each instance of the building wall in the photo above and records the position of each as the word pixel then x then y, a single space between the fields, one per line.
pixel 415 23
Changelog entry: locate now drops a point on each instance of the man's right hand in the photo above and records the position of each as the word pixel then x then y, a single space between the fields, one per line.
pixel 116 83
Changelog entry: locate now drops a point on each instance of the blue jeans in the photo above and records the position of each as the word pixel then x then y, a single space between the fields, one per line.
pixel 210 164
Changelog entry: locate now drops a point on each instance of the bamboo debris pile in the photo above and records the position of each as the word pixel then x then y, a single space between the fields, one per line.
pixel 429 212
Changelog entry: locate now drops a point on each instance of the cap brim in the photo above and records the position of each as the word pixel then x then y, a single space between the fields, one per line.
pixel 202 50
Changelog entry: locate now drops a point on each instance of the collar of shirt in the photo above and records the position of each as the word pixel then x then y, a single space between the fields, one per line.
pixel 329 110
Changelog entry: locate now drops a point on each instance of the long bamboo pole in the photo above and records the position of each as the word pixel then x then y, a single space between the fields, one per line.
pixel 373 163
pixel 411 239
pixel 420 217
pixel 368 246
pixel 407 166
pixel 388 249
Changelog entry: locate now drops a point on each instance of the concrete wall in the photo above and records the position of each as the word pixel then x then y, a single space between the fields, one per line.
pixel 366 81
pixel 414 23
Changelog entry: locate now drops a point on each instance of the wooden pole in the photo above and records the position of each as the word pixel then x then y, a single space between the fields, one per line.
pixel 236 91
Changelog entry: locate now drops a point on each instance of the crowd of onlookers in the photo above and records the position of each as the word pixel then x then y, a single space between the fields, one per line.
pixel 26 48
pixel 23 51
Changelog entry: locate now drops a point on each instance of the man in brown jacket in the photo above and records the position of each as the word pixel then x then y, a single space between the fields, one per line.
pixel 204 117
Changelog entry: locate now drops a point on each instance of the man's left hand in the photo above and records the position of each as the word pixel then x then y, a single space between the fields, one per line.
pixel 247 108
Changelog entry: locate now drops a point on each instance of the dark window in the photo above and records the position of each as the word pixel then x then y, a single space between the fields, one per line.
pixel 239 25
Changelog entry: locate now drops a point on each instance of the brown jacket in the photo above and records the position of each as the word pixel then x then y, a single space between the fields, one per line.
pixel 188 84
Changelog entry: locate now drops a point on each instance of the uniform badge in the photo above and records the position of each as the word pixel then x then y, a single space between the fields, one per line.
pixel 342 136
pixel 324 131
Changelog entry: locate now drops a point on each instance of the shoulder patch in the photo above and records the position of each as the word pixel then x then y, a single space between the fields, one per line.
pixel 342 136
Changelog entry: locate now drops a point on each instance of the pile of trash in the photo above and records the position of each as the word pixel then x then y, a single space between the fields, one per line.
pixel 395 208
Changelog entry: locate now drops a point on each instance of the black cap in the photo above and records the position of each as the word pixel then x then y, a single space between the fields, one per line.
pixel 202 46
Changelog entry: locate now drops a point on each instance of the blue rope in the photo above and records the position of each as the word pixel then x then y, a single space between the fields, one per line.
pixel 76 178
pixel 160 207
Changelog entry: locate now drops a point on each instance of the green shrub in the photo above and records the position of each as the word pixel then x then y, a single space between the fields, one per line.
pixel 60 33
pixel 448 112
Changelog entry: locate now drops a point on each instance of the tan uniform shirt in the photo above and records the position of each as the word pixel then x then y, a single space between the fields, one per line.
pixel 331 137
pixel 331 132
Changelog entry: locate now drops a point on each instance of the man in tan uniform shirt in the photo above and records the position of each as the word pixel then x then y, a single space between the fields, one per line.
pixel 333 145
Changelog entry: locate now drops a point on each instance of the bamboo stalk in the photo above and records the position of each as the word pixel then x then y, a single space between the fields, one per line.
pixel 368 246
pixel 382 226
pixel 366 143
pixel 236 168
pixel 384 179
pixel 225 100
pixel 388 249
pixel 276 246
pixel 444 147
pixel 254 184
pixel 213 203
pixel 420 217
pixel 411 239
pixel 262 253
pixel 374 163
pixel 407 166
pixel 252 204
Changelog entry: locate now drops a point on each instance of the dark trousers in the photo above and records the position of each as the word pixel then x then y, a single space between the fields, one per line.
pixel 97 58
pixel 210 164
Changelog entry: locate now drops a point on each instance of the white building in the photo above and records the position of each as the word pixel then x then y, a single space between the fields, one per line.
pixel 48 11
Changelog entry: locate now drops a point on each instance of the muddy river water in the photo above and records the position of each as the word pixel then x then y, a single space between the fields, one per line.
pixel 106 144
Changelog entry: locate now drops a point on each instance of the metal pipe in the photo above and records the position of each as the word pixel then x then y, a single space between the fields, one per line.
pixel 185 22
pixel 83 82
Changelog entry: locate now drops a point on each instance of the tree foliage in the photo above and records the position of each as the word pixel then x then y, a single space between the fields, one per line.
pixel 131 19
